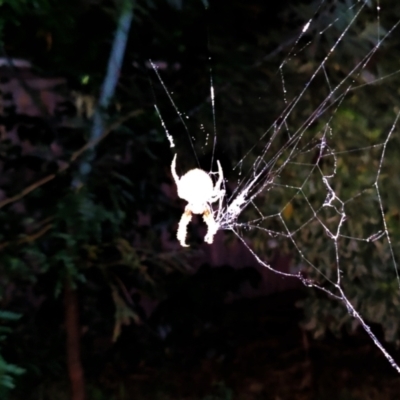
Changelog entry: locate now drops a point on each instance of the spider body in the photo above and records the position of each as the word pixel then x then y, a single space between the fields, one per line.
pixel 197 188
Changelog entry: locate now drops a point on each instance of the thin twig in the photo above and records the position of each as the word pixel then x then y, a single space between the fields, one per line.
pixel 74 156
pixel 28 238
pixel 28 189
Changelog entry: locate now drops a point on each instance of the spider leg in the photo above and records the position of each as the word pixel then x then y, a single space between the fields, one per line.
pixel 212 226
pixel 182 227
pixel 173 170
pixel 220 177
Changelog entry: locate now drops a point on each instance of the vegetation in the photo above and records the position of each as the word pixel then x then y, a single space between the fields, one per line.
pixel 92 284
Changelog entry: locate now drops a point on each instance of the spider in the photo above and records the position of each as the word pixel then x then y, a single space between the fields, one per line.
pixel 197 188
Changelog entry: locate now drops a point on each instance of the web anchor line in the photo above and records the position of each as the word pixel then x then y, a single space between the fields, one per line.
pixel 342 298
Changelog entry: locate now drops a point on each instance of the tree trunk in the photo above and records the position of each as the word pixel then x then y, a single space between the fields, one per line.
pixel 75 370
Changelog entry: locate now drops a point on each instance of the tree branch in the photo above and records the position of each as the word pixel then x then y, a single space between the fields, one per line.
pixel 98 132
pixel 28 238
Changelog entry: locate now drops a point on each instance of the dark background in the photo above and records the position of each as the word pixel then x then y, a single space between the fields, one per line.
pixel 154 320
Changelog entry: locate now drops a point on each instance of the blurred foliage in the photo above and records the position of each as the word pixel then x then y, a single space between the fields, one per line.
pixel 108 237
pixel 7 371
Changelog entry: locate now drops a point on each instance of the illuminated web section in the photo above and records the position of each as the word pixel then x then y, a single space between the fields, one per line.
pixel 329 219
pixel 304 197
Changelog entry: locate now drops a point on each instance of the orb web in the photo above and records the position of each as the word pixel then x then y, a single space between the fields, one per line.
pixel 304 188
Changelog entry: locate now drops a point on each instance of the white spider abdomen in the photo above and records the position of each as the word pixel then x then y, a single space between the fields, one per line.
pixel 196 187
